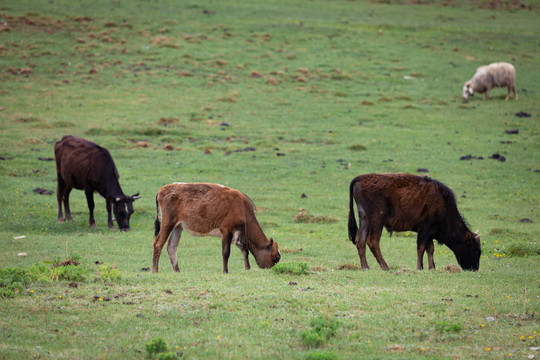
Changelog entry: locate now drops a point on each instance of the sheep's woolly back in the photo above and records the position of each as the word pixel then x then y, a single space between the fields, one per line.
pixel 490 76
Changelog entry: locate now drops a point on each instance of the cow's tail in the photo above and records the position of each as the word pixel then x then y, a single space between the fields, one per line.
pixel 353 227
pixel 157 223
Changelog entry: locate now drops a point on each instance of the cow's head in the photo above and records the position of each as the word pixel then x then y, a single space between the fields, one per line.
pixel 268 256
pixel 468 253
pixel 468 90
pixel 123 208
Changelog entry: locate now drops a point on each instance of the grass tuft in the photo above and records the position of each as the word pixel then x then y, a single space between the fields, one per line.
pixel 293 268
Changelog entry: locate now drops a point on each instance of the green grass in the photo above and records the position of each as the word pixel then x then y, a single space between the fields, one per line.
pixel 286 101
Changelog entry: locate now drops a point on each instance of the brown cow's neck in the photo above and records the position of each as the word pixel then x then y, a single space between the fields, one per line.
pixel 254 236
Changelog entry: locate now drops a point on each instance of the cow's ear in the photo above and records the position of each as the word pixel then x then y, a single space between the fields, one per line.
pixel 136 196
pixel 271 243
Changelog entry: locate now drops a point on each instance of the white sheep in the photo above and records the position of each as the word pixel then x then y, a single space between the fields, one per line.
pixel 489 76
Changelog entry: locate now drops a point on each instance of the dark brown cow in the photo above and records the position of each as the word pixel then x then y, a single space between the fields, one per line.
pixel 210 210
pixel 83 165
pixel 401 202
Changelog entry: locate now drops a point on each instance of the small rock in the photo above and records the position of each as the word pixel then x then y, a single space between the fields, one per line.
pixel 42 191
pixel 512 131
pixel 490 318
pixel 21 254
pixel 527 221
pixel 523 114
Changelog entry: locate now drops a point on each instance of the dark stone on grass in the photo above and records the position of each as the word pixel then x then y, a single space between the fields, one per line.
pixel 523 114
pixel 249 149
pixel 168 291
pixel 422 170
pixel 293 283
pixel 280 154
pixel 42 191
pixel 73 285
pixel 499 157
pixel 139 315
pixel 98 262
pixel 526 221
pixel 145 269
pixel 5 158
pixel 225 124
pixel 512 131
pixel 303 196
pixel 45 159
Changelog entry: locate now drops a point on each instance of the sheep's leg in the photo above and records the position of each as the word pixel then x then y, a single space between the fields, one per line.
pixel 513 89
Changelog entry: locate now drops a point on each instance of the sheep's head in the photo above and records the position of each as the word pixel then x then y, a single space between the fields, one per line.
pixel 468 90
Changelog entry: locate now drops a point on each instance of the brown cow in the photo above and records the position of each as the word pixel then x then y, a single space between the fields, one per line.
pixel 83 165
pixel 210 210
pixel 401 202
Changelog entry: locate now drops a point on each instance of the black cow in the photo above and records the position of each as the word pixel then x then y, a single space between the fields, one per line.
pixel 401 202
pixel 84 165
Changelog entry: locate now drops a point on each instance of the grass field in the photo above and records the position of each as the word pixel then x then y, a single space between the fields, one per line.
pixel 278 99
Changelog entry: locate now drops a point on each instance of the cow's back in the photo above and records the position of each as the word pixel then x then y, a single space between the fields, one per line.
pixel 201 206
pixel 400 201
pixel 81 162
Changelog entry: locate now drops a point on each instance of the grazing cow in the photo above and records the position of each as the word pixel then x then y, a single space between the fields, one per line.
pixel 401 202
pixel 83 165
pixel 210 210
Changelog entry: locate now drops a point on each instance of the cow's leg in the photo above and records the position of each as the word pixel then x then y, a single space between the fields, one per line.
pixel 420 249
pixel 226 250
pixel 361 237
pixel 243 249
pixel 59 195
pixel 159 242
pixel 424 243
pixel 65 197
pixel 110 223
pixel 90 200
pixel 361 247
pixel 172 247
pixel 245 255
pixel 373 240
pixel 430 249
